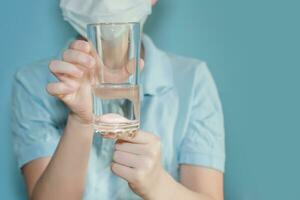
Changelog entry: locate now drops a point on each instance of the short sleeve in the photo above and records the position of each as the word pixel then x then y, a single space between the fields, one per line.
pixel 203 143
pixel 34 132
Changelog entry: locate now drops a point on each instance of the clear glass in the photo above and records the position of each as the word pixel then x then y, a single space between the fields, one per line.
pixel 116 98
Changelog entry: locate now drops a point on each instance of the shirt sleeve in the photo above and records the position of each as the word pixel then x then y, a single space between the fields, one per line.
pixel 34 132
pixel 203 143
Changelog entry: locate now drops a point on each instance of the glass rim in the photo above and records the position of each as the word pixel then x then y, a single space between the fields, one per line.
pixel 113 23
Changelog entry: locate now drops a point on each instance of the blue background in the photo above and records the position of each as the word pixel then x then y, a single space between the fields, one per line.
pixel 252 48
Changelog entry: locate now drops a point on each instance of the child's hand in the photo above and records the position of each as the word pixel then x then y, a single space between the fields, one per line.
pixel 74 87
pixel 137 160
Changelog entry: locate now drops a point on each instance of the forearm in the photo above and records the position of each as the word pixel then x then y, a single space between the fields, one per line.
pixel 64 176
pixel 168 188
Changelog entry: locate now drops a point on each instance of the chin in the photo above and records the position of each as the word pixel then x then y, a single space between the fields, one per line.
pixel 153 2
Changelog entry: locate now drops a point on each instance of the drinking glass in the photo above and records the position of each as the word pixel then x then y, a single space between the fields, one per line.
pixel 115 89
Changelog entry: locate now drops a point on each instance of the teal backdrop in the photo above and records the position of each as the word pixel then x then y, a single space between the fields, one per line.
pixel 252 48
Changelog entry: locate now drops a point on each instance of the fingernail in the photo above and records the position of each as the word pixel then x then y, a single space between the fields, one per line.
pixel 88 47
pixel 92 62
pixel 120 141
pixel 79 74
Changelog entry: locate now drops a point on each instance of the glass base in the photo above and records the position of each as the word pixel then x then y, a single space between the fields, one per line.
pixel 117 130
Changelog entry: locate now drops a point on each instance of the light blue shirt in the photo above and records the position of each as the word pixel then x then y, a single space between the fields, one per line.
pixel 180 104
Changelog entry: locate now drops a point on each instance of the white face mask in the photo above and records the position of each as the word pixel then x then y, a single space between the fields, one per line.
pixel 79 13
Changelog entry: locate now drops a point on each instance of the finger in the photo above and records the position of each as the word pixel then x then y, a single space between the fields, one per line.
pixel 142 64
pixel 127 159
pixel 142 138
pixel 78 57
pixel 61 67
pixel 138 149
pixel 122 171
pixel 72 83
pixel 60 88
pixel 131 66
pixel 81 45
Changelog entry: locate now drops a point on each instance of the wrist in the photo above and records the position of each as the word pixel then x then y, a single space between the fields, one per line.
pixel 163 187
pixel 76 125
pixel 76 119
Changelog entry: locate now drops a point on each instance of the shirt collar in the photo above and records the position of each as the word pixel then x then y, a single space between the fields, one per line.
pixel 157 75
